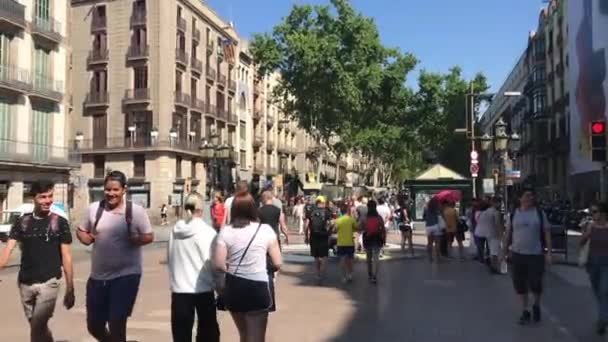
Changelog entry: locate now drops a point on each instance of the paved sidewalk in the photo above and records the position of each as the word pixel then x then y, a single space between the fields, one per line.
pixel 414 301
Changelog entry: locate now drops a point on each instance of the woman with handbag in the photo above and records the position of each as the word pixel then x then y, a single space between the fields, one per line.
pixel 240 253
pixel 595 239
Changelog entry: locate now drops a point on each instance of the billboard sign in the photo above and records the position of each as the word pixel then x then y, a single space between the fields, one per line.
pixel 588 84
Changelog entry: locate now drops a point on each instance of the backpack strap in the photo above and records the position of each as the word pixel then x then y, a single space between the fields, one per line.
pixel 129 215
pixel 100 210
pixel 541 220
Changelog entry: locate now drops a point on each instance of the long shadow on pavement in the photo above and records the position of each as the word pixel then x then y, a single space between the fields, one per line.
pixel 453 301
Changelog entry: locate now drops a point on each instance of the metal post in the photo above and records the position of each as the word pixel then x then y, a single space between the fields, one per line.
pixel 603 182
pixel 504 180
pixel 471 113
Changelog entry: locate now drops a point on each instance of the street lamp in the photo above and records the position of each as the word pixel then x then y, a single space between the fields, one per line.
pixel 502 139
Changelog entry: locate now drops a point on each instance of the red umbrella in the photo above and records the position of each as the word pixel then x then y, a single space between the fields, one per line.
pixel 448 196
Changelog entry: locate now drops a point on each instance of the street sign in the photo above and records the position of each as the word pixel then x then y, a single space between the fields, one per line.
pixel 488 186
pixel 474 170
pixel 511 174
pixel 474 155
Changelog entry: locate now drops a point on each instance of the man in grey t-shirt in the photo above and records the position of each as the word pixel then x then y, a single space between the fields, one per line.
pixel 529 240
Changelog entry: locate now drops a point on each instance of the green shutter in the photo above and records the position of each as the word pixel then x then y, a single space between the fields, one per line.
pixel 40 134
pixel 41 69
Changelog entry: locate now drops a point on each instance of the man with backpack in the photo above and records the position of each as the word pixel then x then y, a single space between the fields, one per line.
pixel 528 240
pixel 317 233
pixel 44 239
pixel 117 228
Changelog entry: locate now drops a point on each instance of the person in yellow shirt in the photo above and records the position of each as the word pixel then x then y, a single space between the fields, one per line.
pixel 346 227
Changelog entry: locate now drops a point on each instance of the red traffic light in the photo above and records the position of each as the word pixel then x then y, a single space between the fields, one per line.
pixel 598 127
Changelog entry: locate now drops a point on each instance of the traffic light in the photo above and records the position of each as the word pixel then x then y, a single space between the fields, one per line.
pixel 598 141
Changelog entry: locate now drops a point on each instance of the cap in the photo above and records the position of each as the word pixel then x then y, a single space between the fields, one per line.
pixel 321 199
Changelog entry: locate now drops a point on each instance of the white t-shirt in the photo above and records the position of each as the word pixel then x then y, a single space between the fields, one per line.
pixel 385 212
pixel 488 223
pixel 228 207
pixel 253 266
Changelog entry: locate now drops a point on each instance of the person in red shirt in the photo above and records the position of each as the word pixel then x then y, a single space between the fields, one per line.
pixel 218 211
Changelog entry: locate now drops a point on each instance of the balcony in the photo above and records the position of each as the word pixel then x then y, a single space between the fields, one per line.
pixel 181 58
pixel 210 110
pixel 269 144
pixel 12 16
pixel 21 152
pixel 270 121
pixel 98 24
pixel 221 113
pixel 258 168
pixel 232 86
pixel 197 105
pixel 15 79
pixel 221 80
pixel 282 149
pixel 138 18
pixel 181 24
pixel 47 89
pixel 181 99
pixel 258 88
pixel 210 48
pixel 126 144
pixel 97 99
pixel 138 52
pixel 196 65
pixel 257 114
pixel 210 72
pixel 258 140
pixel 233 119
pixel 196 35
pixel 47 31
pixel 97 56
pixel 137 96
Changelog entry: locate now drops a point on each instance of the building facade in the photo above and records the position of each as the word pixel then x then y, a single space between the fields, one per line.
pixel 541 115
pixel 34 106
pixel 147 105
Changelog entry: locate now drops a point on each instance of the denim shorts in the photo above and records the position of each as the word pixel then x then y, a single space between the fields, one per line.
pixel 112 299
pixel 346 251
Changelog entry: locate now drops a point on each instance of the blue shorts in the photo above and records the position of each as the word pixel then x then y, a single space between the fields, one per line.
pixel 111 299
pixel 346 251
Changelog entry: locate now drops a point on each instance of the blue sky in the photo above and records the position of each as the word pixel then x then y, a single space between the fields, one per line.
pixel 478 35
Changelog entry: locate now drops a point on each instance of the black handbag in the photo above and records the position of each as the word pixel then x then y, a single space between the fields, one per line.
pixel 245 295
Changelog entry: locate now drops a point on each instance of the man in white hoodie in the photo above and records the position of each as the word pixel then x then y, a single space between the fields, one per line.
pixel 191 275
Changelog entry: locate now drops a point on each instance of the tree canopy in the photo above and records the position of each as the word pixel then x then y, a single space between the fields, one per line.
pixel 339 80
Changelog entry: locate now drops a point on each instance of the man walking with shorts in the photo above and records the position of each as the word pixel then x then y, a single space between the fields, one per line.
pixel 317 233
pixel 529 233
pixel 44 239
pixel 117 228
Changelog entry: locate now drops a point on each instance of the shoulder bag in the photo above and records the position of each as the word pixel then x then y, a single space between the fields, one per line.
pixel 246 295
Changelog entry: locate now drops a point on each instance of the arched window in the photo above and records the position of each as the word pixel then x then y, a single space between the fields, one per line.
pixel 243 102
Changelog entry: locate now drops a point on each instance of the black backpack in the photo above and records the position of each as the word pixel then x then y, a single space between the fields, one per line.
pixel 319 219
pixel 541 219
pixel 128 214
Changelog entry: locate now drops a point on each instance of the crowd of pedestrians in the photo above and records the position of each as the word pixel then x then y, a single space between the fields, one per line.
pixel 232 262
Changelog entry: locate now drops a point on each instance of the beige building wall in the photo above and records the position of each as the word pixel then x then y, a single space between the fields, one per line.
pixel 33 100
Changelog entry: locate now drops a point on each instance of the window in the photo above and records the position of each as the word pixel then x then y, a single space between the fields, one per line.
pixel 195 126
pixel 43 10
pixel 5 50
pixel 139 165
pixel 178 167
pixel 193 169
pixel 141 77
pixel 41 67
pixel 99 168
pixel 193 88
pixel 140 38
pixel 243 131
pixel 243 159
pixel 178 81
pixel 100 42
pixel 99 82
pixel 100 131
pixel 143 124
pixel 40 134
